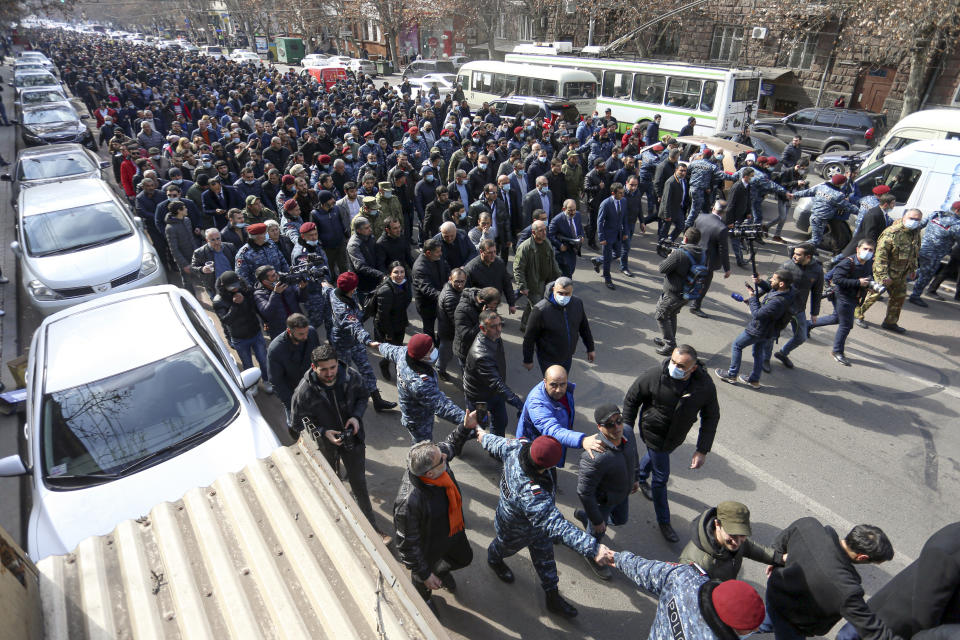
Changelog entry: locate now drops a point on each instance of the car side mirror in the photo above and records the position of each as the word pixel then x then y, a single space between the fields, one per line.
pixel 104 164
pixel 84 116
pixel 15 247
pixel 137 220
pixel 12 466
pixel 250 377
pixel 6 177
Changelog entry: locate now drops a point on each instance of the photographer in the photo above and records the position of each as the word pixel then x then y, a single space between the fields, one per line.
pixel 275 300
pixel 676 285
pixel 851 280
pixel 308 260
pixel 332 397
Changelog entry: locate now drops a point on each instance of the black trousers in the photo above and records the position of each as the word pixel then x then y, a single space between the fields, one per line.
pixel 706 286
pixel 455 553
pixel 355 462
pixel 428 312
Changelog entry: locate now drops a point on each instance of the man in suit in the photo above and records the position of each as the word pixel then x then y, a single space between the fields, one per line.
pixel 713 240
pixel 611 230
pixel 458 188
pixel 218 199
pixel 538 198
pixel 737 209
pixel 490 202
pixel 512 202
pixel 566 234
pixel 518 179
pixel 674 203
pixel 874 221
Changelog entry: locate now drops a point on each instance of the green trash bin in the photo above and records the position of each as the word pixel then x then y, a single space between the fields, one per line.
pixel 384 67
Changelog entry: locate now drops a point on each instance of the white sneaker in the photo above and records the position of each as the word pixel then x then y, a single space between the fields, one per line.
pixel 266 387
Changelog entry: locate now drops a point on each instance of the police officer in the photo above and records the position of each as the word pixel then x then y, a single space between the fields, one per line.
pixel 527 515
pixel 898 250
pixel 943 229
pixel 258 251
pixel 691 605
pixel 702 174
pixel 350 338
pixel 828 203
pixel 418 389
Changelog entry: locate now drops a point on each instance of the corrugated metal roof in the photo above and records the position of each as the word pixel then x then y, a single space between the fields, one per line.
pixel 279 550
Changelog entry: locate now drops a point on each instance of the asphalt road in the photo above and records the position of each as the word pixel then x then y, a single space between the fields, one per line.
pixel 872 443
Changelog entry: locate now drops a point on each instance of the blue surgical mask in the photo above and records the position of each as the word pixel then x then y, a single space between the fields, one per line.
pixel 428 177
pixel 505 187
pixel 865 255
pixel 177 181
pixel 432 356
pixel 911 224
pixel 561 300
pixel 312 243
pixel 349 156
pixel 542 158
pixel 544 190
pixel 676 372
pixel 482 165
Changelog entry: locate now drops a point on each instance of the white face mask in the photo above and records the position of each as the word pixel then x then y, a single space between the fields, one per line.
pixel 865 255
pixel 432 356
pixel 562 300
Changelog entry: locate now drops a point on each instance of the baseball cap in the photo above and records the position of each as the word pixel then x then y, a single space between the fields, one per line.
pixel 604 412
pixel 734 517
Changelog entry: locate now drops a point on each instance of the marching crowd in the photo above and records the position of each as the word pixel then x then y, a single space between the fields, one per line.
pixel 305 211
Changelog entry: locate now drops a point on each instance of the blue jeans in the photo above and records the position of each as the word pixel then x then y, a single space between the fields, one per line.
pixel 497 408
pixel 743 341
pixel 783 212
pixel 843 308
pixel 657 463
pixel 782 630
pixel 255 346
pixel 646 188
pixel 801 332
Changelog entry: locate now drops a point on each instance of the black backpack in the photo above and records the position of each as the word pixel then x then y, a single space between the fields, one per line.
pixel 696 280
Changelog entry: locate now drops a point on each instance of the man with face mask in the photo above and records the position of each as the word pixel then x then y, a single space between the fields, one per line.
pixel 850 279
pixel 668 399
pixel 418 390
pixel 942 230
pixel 896 260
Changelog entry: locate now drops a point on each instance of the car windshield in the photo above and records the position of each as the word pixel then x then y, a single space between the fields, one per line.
pixel 445 66
pixel 48 116
pixel 40 97
pixel 29 66
pixel 67 230
pixel 214 50
pixel 59 165
pixel 36 80
pixel 148 414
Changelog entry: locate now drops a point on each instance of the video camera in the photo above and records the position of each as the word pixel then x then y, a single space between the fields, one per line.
pixel 310 271
pixel 750 232
pixel 665 246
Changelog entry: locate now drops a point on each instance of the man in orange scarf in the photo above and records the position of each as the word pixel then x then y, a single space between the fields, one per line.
pixel 428 513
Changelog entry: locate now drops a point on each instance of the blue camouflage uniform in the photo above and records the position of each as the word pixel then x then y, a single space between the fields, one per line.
pixel 446 148
pixel 677 586
pixel 647 167
pixel 943 229
pixel 828 203
pixel 349 337
pixel 411 146
pixel 701 175
pixel 528 517
pixel 420 397
pixel 249 257
pixel 313 298
pixel 370 147
pixel 600 149
pixel 760 186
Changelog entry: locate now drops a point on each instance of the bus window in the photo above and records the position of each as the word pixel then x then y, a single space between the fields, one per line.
pixel 464 81
pixel 498 84
pixel 510 85
pixel 525 86
pixel 648 88
pixel 579 90
pixel 544 87
pixel 746 89
pixel 709 96
pixel 483 82
pixel 683 92
pixel 616 84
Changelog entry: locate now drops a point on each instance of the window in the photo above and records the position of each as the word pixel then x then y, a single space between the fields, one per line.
pixel 465 81
pixel 525 28
pixel 667 44
pixel 616 84
pixel 853 121
pixel 901 181
pixel 648 88
pixel 803 117
pixel 726 42
pixel 683 92
pixel 800 53
pixel 709 96
pixel 746 89
pixel 483 82
pixel 498 84
pixel 579 90
pixel 525 86
pixel 544 87
pixel 502 27
pixel 825 119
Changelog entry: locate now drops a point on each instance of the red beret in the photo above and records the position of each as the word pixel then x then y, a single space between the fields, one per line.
pixel 346 149
pixel 603 131
pixel 290 204
pixel 955 205
pixel 838 179
pixel 445 132
pixel 658 147
pixel 306 227
pixel 517 129
pixel 368 134
pixel 324 159
pixel 771 160
pixel 546 452
pixel 881 189
pixel 257 229
pixel 762 159
pixel 413 129
pixel 347 281
pixel 707 152
pixel 738 605
pixel 419 346
pixel 287 179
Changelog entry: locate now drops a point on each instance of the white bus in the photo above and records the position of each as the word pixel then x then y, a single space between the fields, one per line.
pixel 636 91
pixel 487 80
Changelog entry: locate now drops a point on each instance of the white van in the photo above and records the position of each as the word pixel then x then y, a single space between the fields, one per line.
pixel 931 124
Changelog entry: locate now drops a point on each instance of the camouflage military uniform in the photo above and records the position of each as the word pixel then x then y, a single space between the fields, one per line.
pixel 943 229
pixel 702 174
pixel 420 397
pixel 527 516
pixel 896 257
pixel 349 337
pixel 828 203
pixel 250 256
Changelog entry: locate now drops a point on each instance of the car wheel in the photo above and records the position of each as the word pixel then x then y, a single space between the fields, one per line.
pixel 835 147
pixel 832 168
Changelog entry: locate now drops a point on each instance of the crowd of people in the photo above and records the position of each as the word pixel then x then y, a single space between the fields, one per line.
pixel 304 212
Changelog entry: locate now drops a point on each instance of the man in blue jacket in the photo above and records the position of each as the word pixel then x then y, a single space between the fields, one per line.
pixel 691 605
pixel 527 515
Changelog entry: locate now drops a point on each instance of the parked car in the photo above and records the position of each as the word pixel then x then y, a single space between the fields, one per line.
pixel 55 122
pixel 827 129
pixel 315 60
pixel 52 163
pixel 458 61
pixel 929 124
pixel 444 82
pixel 827 164
pixel 359 65
pixel 34 80
pixel 80 243
pixel 165 44
pixel 139 423
pixel 212 51
pixel 37 97
pixel 420 68
pixel 188 47
pixel 524 107
pixel 244 56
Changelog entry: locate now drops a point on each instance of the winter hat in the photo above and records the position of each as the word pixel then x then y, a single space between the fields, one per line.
pixel 307 227
pixel 325 196
pixel 257 229
pixel 290 204
pixel 347 281
pixel 419 346
pixel 751 157
pixel 881 189
pixel 738 605
pixel 838 179
pixel 287 180
pixel 230 280
pixel 546 452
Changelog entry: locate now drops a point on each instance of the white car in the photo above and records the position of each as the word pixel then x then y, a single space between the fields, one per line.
pixel 315 60
pixel 188 47
pixel 118 421
pixel 244 56
pixel 76 242
pixel 359 65
pixel 443 81
pixel 165 44
pixel 212 51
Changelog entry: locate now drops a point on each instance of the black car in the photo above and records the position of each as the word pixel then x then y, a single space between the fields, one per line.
pixel 828 164
pixel 54 123
pixel 827 129
pixel 523 107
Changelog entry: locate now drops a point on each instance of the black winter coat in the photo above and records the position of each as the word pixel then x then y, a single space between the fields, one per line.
pixel 392 303
pixel 485 372
pixel 328 411
pixel 428 280
pixel 676 266
pixel 420 513
pixel 466 322
pixel 670 407
pixel 605 480
pixel 807 283
pixel 289 361
pixel 240 321
pixel 446 308
pixel 553 330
